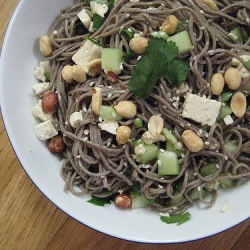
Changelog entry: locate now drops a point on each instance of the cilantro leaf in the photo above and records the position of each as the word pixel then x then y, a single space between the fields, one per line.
pixel 159 60
pixel 97 21
pixel 179 219
pixel 99 201
pixel 176 72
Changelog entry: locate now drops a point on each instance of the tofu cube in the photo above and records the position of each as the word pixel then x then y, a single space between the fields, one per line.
pixel 84 17
pixel 45 130
pixel 201 109
pixel 40 87
pixel 38 112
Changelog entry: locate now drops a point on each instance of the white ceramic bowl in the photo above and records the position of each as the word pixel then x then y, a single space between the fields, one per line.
pixel 19 56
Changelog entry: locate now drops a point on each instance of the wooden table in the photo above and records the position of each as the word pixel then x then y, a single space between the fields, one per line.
pixel 28 220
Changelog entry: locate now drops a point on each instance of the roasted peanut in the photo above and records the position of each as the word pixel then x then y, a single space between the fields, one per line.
pixel 67 73
pixel 170 25
pixel 138 44
pixel 123 133
pixel 45 46
pixel 95 67
pixel 49 102
pixel 56 144
pixel 126 109
pixel 232 78
pixel 217 83
pixel 210 4
pixel 79 74
pixel 96 100
pixel 192 141
pixel 238 104
pixel 155 125
pixel 123 201
pixel 112 77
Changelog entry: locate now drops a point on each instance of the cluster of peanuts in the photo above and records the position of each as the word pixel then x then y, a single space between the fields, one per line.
pixel 232 78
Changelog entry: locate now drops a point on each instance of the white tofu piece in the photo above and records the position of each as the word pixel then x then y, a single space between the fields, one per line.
pixel 45 130
pixel 225 207
pixel 201 109
pixel 84 17
pixel 38 112
pixel 39 87
pixel 41 70
pixel 109 126
pixel 245 73
pixel 98 8
pixel 228 120
pixel 88 52
pixel 148 138
pixel 76 119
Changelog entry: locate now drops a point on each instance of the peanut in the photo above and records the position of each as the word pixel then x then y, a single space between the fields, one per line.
pixel 232 78
pixel 45 46
pixel 155 125
pixel 210 4
pixel 238 104
pixel 49 102
pixel 67 73
pixel 192 141
pixel 138 44
pixel 56 144
pixel 73 73
pixel 96 100
pixel 126 109
pixel 123 133
pixel 170 25
pixel 217 83
pixel 123 201
pixel 95 67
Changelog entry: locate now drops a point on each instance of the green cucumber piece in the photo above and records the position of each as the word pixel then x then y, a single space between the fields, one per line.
pixel 108 113
pixel 182 41
pixel 175 201
pixel 169 136
pixel 112 59
pixel 231 147
pixel 138 122
pixel 151 152
pixel 208 169
pixel 171 148
pixel 139 201
pixel 225 182
pixel 128 33
pixel 225 97
pixel 236 35
pixel 247 64
pixel 168 163
pixel 224 111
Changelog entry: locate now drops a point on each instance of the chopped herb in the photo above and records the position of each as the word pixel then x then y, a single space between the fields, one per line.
pixel 182 25
pixel 97 21
pixel 225 97
pixel 247 64
pixel 95 41
pixel 128 33
pixel 128 55
pixel 148 70
pixel 179 219
pixel 47 76
pixel 99 201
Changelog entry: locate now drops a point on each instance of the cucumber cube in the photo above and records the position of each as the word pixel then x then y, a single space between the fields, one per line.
pixel 168 163
pixel 112 59
pixel 108 113
pixel 236 35
pixel 150 153
pixel 169 136
pixel 182 41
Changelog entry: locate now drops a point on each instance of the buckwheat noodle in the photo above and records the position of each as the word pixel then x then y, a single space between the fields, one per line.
pixel 94 164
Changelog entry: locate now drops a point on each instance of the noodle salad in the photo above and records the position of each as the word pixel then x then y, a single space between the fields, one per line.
pixel 147 102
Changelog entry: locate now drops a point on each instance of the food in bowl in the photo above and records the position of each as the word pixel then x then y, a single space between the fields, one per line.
pixel 147 102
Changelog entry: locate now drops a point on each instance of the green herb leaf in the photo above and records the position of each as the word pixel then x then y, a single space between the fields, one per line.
pixel 99 201
pixel 94 41
pixel 128 33
pixel 176 72
pixel 159 60
pixel 97 21
pixel 179 219
pixel 247 64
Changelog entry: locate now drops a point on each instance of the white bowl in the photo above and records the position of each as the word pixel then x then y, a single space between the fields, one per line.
pixel 19 56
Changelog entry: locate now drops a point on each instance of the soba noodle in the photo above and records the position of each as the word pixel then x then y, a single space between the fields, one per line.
pixel 93 162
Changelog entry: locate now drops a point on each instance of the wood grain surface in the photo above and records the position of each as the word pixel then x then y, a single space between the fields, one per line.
pixel 28 220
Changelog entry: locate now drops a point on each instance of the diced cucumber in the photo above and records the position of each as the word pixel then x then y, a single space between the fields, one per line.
pixel 236 35
pixel 170 147
pixel 128 33
pixel 225 97
pixel 150 153
pixel 138 122
pixel 168 163
pixel 194 195
pixel 160 34
pixel 208 169
pixel 175 201
pixel 112 59
pixel 182 41
pixel 139 201
pixel 137 142
pixel 225 182
pixel 169 136
pixel 247 64
pixel 224 111
pixel 108 113
pixel 231 146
